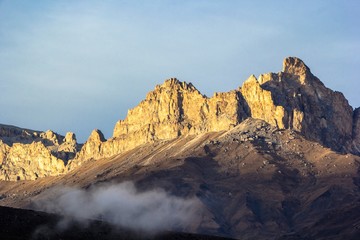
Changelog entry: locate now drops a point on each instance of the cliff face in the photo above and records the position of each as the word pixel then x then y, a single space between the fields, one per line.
pixel 177 108
pixel 28 154
pixel 291 99
pixel 173 109
pixel 296 99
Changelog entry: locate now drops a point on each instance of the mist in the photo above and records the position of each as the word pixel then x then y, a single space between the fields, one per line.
pixel 121 205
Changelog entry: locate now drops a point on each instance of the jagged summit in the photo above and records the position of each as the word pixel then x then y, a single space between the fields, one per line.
pixel 172 84
pixel 259 161
pixel 296 66
pixel 70 137
pixel 96 136
pixel 291 99
pixel 251 79
pixel 30 154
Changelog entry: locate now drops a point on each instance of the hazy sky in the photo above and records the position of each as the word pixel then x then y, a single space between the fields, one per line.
pixel 79 65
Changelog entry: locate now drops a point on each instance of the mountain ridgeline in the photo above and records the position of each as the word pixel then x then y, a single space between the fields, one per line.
pixel 292 99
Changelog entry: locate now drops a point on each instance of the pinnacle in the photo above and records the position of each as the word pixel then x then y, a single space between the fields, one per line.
pixel 252 78
pixel 296 66
pixel 97 136
pixel 69 137
pixel 172 81
pixel 175 83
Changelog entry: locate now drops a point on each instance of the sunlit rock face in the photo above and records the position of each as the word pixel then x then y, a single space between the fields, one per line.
pixel 27 154
pixel 294 98
pixel 291 99
pixel 171 110
pixel 30 161
pixel 177 108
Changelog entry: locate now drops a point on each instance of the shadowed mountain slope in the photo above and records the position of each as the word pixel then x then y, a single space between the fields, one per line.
pixel 254 181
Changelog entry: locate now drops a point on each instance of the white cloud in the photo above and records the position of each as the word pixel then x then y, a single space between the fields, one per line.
pixel 122 205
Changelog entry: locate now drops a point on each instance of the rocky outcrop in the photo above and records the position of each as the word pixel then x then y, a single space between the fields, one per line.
pixel 178 108
pixel 28 162
pixel 261 103
pixel 295 99
pixel 28 154
pixel 291 99
pixel 91 148
pixel 173 109
pixel 57 143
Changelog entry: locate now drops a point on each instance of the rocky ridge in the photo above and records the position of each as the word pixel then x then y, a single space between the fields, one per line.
pixel 292 99
pixel 28 154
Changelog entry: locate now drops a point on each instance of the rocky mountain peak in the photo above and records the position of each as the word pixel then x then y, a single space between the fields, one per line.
pixel 172 82
pixel 296 66
pixel 292 99
pixel 251 79
pixel 296 72
pixel 28 154
pixel 91 149
pixel 172 85
pixel 96 136
pixel 70 137
pixel 51 136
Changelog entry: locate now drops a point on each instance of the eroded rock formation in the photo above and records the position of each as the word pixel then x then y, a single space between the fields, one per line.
pixel 171 110
pixel 291 99
pixel 177 108
pixel 28 154
pixel 295 99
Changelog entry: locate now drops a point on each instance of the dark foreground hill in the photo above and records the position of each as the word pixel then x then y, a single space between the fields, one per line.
pixel 21 224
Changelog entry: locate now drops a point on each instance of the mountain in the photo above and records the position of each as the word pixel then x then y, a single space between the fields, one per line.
pixel 29 154
pixel 254 181
pixel 277 158
pixel 292 99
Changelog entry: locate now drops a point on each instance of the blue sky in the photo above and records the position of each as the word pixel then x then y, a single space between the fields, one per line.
pixel 80 65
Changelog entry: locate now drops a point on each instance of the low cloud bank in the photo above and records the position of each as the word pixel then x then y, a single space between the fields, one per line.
pixel 122 205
